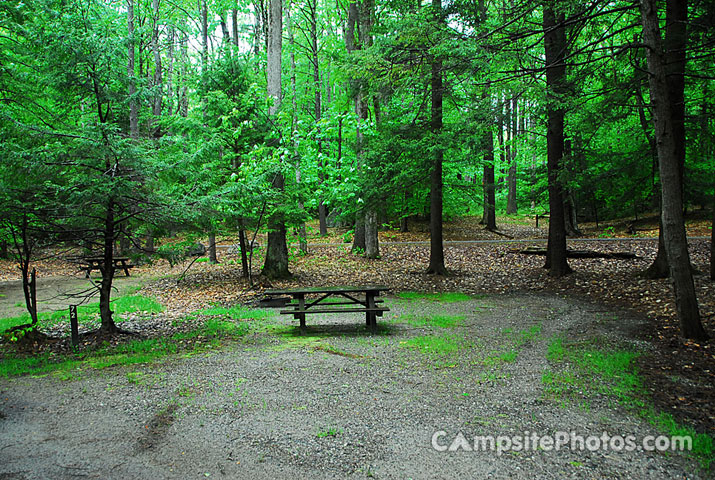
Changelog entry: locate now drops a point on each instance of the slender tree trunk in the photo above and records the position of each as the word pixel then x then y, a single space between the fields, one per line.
pixel 372 247
pixel 712 244
pixel 511 156
pixel 317 108
pixel 665 115
pixel 276 263
pixel 170 72
pixel 436 262
pixel 133 109
pixel 676 40
pixel 555 49
pixel 149 242
pixel 303 235
pixel 489 188
pixel 157 80
pixel 183 100
pixel 234 29
pixel 213 258
pixel 357 34
pixel 107 270
pixel 243 245
pixel 24 256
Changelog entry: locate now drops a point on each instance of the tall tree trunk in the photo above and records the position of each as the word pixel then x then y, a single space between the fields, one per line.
pixel 490 219
pixel 570 216
pixel 243 246
pixel 555 50
pixel 665 115
pixel 372 247
pixel 676 40
pixel 234 28
pixel 511 157
pixel 170 72
pixel 357 35
pixel 213 258
pixel 276 263
pixel 204 35
pixel 149 242
pixel 183 98
pixel 436 261
pixel 312 6
pixel 712 243
pixel 157 80
pixel 303 236
pixel 133 109
pixel 107 270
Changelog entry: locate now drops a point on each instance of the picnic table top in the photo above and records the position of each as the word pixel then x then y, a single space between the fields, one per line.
pixel 318 290
pixel 101 259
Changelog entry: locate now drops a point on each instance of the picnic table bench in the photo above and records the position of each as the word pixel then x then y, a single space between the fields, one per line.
pixel 344 299
pixel 87 264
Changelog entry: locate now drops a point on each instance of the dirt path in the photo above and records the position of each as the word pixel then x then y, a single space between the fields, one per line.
pixel 336 403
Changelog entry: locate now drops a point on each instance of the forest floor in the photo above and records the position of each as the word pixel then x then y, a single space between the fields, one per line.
pixel 679 376
pixel 339 402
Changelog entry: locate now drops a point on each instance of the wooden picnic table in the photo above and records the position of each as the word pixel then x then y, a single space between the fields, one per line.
pixel 87 264
pixel 342 299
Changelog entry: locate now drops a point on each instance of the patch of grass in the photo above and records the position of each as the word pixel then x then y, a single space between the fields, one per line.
pixel 202 260
pixel 88 313
pixel 236 312
pixel 329 432
pixel 441 321
pixel 614 373
pixel 505 357
pixel 130 353
pixel 445 297
pixel 555 351
pixel 437 344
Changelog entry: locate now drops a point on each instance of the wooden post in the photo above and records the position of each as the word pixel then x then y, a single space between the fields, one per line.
pixel 74 326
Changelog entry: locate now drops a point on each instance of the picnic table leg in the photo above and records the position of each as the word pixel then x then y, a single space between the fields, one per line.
pixel 126 269
pixel 371 318
pixel 301 316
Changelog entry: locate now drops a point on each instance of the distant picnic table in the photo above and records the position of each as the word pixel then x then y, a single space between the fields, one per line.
pixel 87 264
pixel 342 299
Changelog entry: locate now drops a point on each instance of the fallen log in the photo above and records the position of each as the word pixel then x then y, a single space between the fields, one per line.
pixel 580 253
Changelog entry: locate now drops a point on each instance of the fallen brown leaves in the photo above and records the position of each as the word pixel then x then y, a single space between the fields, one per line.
pixel 680 374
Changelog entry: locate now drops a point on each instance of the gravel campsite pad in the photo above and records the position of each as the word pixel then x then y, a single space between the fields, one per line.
pixel 339 402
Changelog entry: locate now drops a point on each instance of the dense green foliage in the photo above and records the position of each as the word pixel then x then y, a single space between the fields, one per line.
pixel 207 151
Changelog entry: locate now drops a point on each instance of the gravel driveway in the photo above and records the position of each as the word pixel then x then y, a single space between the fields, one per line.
pixel 336 403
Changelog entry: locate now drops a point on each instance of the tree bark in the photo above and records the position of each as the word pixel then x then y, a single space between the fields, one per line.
pixel 436 261
pixel 133 109
pixel 372 247
pixel 158 87
pixel 276 263
pixel 664 115
pixel 213 258
pixel 107 270
pixel 511 207
pixel 555 50
pixel 303 236
pixel 490 219
pixel 312 6
pixel 676 40
pixel 712 244
pixel 359 24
